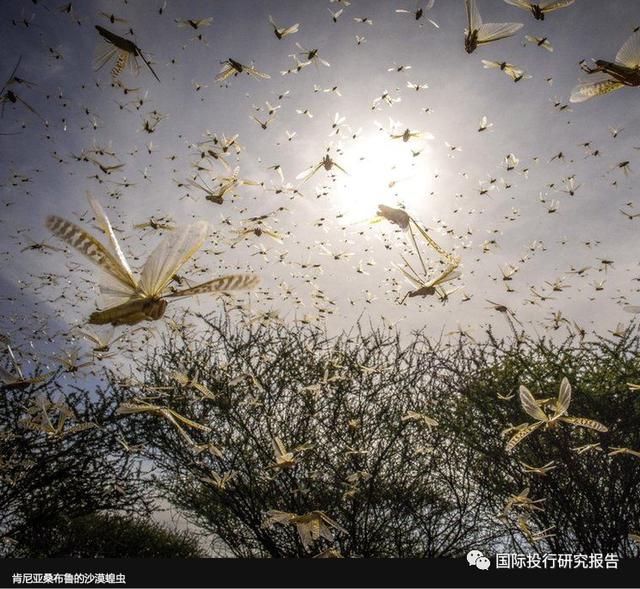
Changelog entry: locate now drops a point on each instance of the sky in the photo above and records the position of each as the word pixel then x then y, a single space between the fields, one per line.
pixel 333 265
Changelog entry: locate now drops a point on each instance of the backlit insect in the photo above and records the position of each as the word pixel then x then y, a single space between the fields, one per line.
pixel 540 42
pixel 424 287
pixel 311 55
pixel 125 52
pixel 130 300
pixel 186 381
pixel 609 76
pixel 231 67
pixel 478 33
pixel 172 416
pixel 418 13
pixel 408 134
pixel 560 407
pixel 16 379
pixel 103 343
pixel 511 70
pixel 326 162
pixel 8 95
pixel 283 31
pixel 311 526
pixel 539 9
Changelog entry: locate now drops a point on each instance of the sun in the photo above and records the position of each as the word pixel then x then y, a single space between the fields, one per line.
pixel 381 170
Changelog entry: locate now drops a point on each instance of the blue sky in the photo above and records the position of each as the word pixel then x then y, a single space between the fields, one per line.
pixel 440 187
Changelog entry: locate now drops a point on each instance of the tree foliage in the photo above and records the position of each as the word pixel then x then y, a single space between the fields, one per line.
pixel 104 535
pixel 46 478
pixel 353 414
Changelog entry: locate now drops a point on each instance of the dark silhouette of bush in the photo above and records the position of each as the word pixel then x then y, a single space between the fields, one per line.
pixel 398 486
pixel 46 478
pixel 591 499
pixel 399 439
pixel 110 536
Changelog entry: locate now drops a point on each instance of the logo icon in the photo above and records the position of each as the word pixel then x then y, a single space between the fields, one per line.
pixel 475 557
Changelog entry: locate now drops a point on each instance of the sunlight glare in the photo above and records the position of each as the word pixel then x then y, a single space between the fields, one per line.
pixel 385 171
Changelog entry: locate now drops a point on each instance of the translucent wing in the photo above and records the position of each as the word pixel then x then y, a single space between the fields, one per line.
pixel 513 71
pixel 530 406
pixel 77 428
pixel 105 225
pixel 278 447
pixel 104 53
pixel 90 247
pixel 340 168
pixel 444 253
pixel 115 292
pixel 417 283
pixel 599 84
pixel 521 435
pixel 225 72
pixel 274 516
pixel 307 531
pixel 496 31
pixel 15 362
pixel 490 64
pixel 564 398
pixel 170 255
pixel 448 274
pixel 186 420
pixel 290 30
pixel 256 73
pixel 120 65
pixel 95 338
pixel 551 5
pixel 330 522
pixel 221 284
pixel 520 4
pixel 631 309
pixel 629 54
pixel 309 172
pixel 584 422
pixel 204 390
pixel 474 19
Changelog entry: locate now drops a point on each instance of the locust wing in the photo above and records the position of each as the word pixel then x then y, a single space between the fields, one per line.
pixel 600 83
pixel 551 5
pixel 521 435
pixel 584 422
pixel 170 255
pixel 227 71
pixel 447 275
pixel 221 284
pixel 308 172
pixel 256 73
pixel 474 20
pixel 524 4
pixel 123 285
pixel 564 399
pixel 104 53
pixel 530 406
pixel 629 53
pixel 105 225
pixel 495 31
